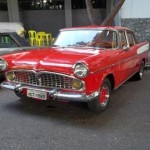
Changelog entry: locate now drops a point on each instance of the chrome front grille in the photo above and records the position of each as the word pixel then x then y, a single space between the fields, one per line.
pixel 45 79
pixel 26 77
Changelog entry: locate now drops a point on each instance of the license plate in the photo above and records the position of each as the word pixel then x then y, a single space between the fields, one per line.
pixel 42 95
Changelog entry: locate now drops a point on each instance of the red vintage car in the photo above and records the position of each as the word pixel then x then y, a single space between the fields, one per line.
pixel 83 65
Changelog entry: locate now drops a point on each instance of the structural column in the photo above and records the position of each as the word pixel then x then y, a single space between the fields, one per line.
pixel 13 10
pixel 118 16
pixel 109 7
pixel 68 13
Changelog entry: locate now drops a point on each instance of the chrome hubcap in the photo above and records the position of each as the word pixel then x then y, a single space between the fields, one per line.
pixel 141 71
pixel 104 96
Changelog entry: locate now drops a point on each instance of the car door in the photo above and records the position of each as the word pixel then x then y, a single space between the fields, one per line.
pixel 133 49
pixel 125 58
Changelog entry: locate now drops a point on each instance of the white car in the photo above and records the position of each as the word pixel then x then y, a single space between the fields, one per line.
pixel 12 27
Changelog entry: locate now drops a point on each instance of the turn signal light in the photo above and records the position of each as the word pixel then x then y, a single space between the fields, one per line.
pixel 10 76
pixel 77 84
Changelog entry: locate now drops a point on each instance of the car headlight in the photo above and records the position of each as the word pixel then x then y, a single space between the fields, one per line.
pixel 3 64
pixel 80 70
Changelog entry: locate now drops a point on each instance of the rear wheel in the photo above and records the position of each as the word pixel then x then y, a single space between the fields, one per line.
pixel 101 102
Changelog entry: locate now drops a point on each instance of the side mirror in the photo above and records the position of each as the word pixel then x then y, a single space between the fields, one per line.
pixel 125 48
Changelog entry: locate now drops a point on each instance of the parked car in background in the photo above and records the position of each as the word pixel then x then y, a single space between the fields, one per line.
pixel 12 27
pixel 83 65
pixel 11 42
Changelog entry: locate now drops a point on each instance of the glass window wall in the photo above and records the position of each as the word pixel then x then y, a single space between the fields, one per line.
pixel 3 5
pixel 80 4
pixel 52 4
pixel 41 4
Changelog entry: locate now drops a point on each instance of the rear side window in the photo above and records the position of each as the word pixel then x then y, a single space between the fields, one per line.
pixel 131 39
pixel 123 41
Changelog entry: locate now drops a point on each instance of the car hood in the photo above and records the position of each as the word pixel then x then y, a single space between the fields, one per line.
pixel 4 51
pixel 52 59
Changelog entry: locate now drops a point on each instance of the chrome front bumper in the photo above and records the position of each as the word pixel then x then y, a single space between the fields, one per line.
pixel 54 94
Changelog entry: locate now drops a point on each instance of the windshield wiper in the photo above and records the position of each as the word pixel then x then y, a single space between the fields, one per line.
pixel 58 46
pixel 72 45
pixel 55 45
pixel 77 45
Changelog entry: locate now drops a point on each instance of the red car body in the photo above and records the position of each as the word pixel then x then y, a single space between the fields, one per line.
pixel 81 71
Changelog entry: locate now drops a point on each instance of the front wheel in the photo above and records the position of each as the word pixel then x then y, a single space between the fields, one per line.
pixel 101 102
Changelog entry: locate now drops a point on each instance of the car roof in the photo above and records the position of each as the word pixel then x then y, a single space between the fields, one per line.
pixel 97 27
pixel 2 33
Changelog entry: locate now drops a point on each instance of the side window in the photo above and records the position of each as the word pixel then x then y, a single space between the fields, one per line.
pixel 115 40
pixel 7 42
pixel 123 41
pixel 106 39
pixel 131 39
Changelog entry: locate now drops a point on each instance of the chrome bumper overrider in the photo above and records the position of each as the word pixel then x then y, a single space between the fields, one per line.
pixel 55 94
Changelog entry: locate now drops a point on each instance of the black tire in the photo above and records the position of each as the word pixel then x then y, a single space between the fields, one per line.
pixel 140 73
pixel 22 98
pixel 100 103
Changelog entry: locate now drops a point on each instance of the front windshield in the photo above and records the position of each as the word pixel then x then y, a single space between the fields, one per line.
pixel 90 38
